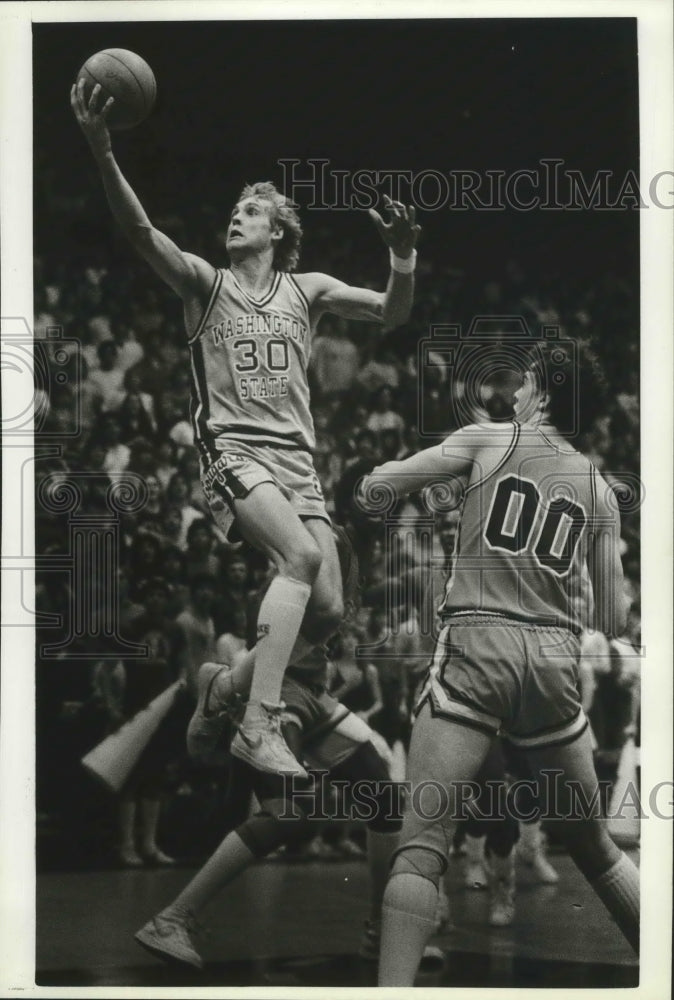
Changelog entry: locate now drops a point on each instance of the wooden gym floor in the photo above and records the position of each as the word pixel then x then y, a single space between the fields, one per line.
pixel 299 924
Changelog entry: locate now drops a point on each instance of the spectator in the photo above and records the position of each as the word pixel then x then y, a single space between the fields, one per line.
pixel 233 642
pixel 133 384
pixel 108 378
pixel 150 517
pixel 142 459
pixel 334 357
pixel 178 496
pixel 143 560
pixel 117 454
pixel 382 416
pixel 166 461
pixel 381 369
pixel 189 466
pixel 197 626
pixel 129 351
pixel 346 509
pixel 133 418
pixel 146 678
pixel 172 567
pixel 200 558
pixel 234 594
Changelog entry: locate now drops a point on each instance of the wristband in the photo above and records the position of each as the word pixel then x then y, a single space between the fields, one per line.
pixel 403 265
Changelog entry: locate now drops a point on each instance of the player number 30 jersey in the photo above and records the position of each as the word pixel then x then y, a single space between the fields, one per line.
pixel 249 362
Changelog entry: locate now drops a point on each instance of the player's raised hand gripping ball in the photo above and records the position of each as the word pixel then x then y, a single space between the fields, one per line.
pixel 127 78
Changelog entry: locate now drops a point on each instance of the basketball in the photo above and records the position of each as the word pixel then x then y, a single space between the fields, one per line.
pixel 126 77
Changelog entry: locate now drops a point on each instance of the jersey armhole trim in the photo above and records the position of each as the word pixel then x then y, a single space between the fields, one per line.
pixel 506 455
pixel 217 282
pixel 293 281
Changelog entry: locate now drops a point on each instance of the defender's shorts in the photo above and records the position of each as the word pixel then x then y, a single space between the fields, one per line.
pixel 330 732
pixel 306 704
pixel 503 676
pixel 240 467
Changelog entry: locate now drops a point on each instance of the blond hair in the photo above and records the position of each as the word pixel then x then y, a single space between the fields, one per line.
pixel 283 214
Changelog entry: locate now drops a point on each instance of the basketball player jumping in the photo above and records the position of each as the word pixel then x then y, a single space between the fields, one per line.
pixel 249 330
pixel 536 517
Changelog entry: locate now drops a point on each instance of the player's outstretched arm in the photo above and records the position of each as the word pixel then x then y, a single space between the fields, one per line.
pixel 452 459
pixel 186 274
pixel 392 307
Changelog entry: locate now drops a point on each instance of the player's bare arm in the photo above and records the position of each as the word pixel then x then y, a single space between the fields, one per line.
pixel 188 275
pixel 392 307
pixel 452 460
pixel 605 567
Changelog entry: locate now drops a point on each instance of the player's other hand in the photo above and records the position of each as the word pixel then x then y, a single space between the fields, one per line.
pixel 91 116
pixel 401 231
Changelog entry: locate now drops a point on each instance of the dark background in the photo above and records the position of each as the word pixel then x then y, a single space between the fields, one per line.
pixel 234 97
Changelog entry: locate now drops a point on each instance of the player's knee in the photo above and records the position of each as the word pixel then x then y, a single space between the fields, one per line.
pixel 279 821
pixel 415 859
pixel 303 562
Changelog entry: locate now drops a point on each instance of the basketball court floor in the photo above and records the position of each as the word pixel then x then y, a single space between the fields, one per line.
pixel 299 924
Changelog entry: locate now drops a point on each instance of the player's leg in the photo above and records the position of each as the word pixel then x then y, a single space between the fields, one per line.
pixel 325 608
pixel 170 934
pixel 267 520
pixel 358 761
pixel 444 755
pixel 571 802
pixel 323 615
pixel 530 848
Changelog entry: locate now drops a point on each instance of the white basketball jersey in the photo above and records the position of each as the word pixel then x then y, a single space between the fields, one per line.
pixel 249 362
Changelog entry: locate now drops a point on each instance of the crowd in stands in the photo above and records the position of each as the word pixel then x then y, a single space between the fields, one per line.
pixel 124 386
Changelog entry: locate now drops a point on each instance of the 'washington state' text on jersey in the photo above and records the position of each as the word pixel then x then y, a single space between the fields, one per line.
pixel 522 543
pixel 249 362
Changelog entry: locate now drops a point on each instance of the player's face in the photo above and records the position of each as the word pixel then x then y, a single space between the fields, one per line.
pixel 528 397
pixel 251 229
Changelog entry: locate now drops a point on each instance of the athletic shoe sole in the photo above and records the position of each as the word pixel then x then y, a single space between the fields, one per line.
pixel 166 956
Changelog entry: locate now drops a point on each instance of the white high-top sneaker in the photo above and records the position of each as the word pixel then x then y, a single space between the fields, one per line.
pixel 531 852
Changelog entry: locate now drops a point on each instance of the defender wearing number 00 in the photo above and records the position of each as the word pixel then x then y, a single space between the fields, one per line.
pixel 249 329
pixel 538 528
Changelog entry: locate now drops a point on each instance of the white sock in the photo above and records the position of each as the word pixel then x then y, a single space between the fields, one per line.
pixel 618 889
pixel 244 664
pixel 227 861
pixel 279 621
pixel 408 920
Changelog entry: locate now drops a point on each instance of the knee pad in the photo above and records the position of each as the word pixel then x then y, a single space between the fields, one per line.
pixel 419 859
pixel 279 821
